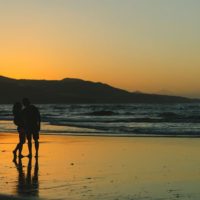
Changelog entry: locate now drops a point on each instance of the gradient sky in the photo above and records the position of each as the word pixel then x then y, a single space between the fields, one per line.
pixel 146 45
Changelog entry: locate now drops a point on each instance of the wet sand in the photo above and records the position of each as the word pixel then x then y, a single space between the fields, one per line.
pixel 110 168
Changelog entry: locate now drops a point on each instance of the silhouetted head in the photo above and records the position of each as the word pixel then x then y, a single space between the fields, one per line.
pixel 26 102
pixel 17 107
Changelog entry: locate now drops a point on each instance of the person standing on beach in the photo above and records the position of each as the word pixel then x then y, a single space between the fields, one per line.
pixel 18 121
pixel 32 120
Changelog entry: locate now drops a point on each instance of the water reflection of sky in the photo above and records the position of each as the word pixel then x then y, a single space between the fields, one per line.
pixel 28 182
pixel 88 168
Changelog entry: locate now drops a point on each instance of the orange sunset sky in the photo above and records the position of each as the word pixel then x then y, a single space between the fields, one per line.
pixel 151 46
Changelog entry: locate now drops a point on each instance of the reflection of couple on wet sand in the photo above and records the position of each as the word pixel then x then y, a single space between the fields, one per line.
pixel 27 120
pixel 28 184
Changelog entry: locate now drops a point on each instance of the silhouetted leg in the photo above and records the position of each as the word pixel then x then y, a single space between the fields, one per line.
pixel 20 165
pixel 36 148
pixel 15 153
pixel 36 167
pixel 16 148
pixel 21 189
pixel 20 150
pixel 18 145
pixel 29 138
pixel 29 167
pixel 15 161
pixel 35 181
pixel 30 148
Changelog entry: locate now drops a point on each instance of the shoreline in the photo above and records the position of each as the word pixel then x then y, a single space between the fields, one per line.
pixel 112 135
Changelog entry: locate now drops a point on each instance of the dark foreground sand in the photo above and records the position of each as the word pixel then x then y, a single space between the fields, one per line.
pixel 109 168
pixel 6 197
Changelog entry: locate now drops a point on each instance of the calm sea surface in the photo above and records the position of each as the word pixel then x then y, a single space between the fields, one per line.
pixel 107 119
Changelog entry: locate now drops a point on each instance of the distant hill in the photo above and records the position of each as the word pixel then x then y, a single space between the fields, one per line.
pixel 71 90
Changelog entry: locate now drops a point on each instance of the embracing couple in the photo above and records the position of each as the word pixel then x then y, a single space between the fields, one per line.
pixel 27 119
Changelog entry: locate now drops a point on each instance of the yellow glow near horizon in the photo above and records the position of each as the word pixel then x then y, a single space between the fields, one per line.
pixel 134 45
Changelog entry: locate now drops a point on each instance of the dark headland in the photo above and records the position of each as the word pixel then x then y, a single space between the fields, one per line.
pixel 71 90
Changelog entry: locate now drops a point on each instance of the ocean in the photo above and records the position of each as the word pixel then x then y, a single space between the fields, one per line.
pixel 112 119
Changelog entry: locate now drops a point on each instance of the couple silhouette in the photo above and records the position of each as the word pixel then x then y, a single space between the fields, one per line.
pixel 27 119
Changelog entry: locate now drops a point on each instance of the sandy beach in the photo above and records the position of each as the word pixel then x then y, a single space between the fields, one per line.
pixel 83 167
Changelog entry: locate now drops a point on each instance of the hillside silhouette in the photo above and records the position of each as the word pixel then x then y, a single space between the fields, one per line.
pixel 71 90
